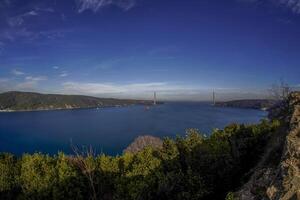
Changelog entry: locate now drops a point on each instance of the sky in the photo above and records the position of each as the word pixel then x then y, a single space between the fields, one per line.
pixel 182 49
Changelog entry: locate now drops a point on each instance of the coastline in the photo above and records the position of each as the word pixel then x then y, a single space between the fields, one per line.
pixel 73 108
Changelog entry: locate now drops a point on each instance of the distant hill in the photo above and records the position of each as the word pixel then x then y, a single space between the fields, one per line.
pixel 263 104
pixel 26 101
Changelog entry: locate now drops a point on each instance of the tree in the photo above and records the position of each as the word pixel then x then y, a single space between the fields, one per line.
pixel 280 91
pixel 84 160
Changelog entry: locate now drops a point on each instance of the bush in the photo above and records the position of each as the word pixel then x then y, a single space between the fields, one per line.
pixel 38 176
pixel 191 167
pixel 9 173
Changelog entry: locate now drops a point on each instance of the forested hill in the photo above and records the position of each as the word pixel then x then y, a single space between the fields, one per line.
pixel 249 103
pixel 25 101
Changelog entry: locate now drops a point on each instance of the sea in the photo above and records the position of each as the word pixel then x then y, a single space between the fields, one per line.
pixel 111 130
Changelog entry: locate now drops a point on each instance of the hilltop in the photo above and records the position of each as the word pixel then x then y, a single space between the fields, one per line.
pixel 28 101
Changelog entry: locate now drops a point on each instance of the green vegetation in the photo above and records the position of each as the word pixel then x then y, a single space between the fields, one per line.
pixel 191 167
pixel 264 104
pixel 22 101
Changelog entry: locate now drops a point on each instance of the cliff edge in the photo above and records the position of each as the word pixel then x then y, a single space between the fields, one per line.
pixel 277 175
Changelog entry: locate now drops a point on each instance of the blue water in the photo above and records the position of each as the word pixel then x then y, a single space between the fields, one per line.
pixel 110 130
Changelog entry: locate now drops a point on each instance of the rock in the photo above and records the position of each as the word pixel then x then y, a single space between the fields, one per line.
pixel 288 180
pixel 280 182
pixel 142 142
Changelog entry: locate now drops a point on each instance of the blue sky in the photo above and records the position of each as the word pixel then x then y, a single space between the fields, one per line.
pixel 130 48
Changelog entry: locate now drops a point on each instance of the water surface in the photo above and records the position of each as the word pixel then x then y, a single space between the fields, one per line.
pixel 110 130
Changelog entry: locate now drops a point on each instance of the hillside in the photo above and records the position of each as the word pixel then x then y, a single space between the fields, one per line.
pixel 263 104
pixel 26 101
pixel 277 175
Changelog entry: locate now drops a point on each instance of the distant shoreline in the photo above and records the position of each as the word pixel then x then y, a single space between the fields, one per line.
pixel 258 104
pixel 28 102
pixel 83 108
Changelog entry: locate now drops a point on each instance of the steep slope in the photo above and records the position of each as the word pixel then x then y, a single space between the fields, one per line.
pixel 277 176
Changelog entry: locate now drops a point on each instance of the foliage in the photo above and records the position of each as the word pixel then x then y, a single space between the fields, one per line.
pixel 37 101
pixel 190 167
pixel 229 196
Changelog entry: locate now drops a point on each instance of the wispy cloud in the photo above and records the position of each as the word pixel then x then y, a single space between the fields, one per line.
pixel 17 72
pixel 110 88
pixel 30 83
pixel 20 27
pixel 164 50
pixel 55 67
pixel 26 86
pixel 64 74
pixel 47 9
pixel 96 5
pixel 2 80
pixel 13 34
pixel 36 78
pixel 293 5
pixel 26 35
pixel 19 19
pixel 5 84
pixel 110 63
pixel 165 91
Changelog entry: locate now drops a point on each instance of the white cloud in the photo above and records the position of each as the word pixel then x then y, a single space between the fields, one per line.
pixel 36 78
pixel 17 72
pixel 106 88
pixel 49 9
pixel 27 85
pixel 96 5
pixel 30 83
pixel 64 74
pixel 165 91
pixel 55 67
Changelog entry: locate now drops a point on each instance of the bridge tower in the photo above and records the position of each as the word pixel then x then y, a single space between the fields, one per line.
pixel 214 97
pixel 154 98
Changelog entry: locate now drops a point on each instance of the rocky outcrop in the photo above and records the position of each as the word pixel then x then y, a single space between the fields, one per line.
pixel 286 184
pixel 273 178
pixel 142 142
